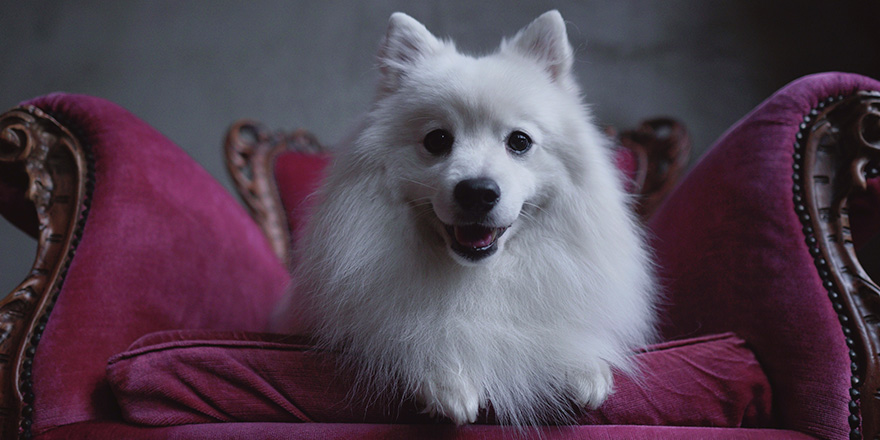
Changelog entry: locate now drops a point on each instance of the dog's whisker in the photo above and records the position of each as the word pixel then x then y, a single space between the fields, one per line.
pixel 534 205
pixel 528 216
pixel 418 183
pixel 422 215
pixel 421 202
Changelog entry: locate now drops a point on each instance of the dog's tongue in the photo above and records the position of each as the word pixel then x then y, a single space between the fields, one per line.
pixel 475 236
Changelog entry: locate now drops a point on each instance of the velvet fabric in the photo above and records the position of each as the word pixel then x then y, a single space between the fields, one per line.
pixel 165 247
pixel 176 378
pixel 348 431
pixel 733 257
pixel 626 161
pixel 298 175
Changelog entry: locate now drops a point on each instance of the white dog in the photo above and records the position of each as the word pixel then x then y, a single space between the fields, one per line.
pixel 474 244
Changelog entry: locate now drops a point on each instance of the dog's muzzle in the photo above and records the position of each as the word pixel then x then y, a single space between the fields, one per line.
pixel 476 197
pixel 473 238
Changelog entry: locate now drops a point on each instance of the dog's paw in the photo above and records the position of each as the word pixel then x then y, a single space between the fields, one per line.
pixel 591 387
pixel 457 400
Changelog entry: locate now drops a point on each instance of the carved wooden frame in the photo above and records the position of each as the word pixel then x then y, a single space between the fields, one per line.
pixel 663 148
pixel 251 151
pixel 59 173
pixel 836 149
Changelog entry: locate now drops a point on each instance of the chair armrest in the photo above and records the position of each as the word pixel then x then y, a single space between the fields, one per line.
pixel 46 175
pixel 146 240
pixel 756 240
pixel 834 157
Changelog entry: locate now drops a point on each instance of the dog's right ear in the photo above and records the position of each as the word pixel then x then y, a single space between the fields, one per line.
pixel 545 41
pixel 406 42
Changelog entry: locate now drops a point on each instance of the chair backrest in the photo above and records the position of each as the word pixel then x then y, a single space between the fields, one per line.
pixel 275 172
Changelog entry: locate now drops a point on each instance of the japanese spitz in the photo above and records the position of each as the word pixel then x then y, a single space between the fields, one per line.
pixel 474 243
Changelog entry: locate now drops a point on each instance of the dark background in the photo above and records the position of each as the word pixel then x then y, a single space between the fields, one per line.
pixel 190 68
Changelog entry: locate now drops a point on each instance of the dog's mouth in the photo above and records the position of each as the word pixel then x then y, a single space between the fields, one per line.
pixel 474 241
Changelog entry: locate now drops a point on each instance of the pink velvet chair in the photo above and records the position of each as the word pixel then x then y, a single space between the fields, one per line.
pixel 142 315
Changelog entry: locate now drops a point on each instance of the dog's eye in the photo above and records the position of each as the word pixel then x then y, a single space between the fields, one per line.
pixel 438 142
pixel 519 142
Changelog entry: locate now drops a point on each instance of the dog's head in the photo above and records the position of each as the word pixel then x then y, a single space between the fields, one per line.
pixel 476 147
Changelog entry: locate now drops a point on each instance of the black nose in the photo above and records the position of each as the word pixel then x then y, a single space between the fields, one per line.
pixel 477 196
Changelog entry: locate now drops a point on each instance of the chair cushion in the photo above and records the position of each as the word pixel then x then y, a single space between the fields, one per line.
pixel 183 377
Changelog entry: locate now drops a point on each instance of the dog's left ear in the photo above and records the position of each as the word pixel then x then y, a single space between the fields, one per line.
pixel 545 41
pixel 406 42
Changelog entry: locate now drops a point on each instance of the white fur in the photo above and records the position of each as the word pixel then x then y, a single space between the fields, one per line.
pixel 532 328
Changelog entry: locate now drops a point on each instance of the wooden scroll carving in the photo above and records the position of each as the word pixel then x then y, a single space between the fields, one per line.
pixel 250 159
pixel 836 150
pixel 57 171
pixel 662 147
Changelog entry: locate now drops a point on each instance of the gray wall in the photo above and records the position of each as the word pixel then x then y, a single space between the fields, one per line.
pixel 190 68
